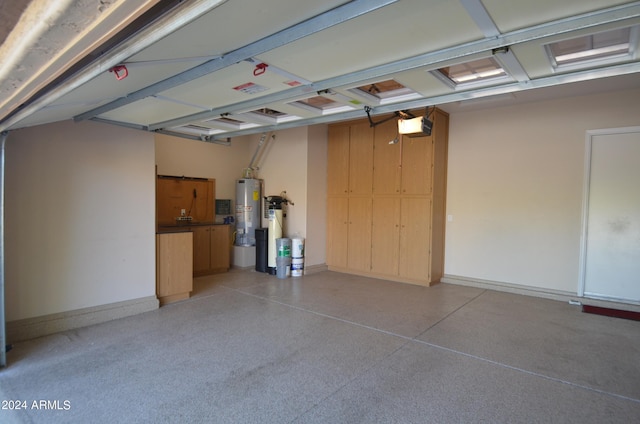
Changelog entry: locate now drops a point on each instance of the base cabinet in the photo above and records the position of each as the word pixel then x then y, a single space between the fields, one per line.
pixel 337 226
pixel 414 259
pixel 359 234
pixel 174 273
pixel 211 249
pixel 220 258
pixel 385 236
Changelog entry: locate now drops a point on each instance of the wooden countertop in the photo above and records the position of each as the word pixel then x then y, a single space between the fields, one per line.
pixel 182 226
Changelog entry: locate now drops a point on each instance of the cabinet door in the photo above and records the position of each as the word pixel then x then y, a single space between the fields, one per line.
pixel 337 225
pixel 338 160
pixel 201 249
pixel 220 248
pixel 386 159
pixel 174 264
pixel 359 234
pixel 417 158
pixel 202 199
pixel 195 196
pixel 360 158
pixel 385 235
pixel 415 231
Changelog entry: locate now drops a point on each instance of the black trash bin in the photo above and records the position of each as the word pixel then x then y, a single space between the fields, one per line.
pixel 261 249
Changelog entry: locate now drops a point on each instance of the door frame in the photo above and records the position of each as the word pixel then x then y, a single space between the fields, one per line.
pixel 590 134
pixel 3 333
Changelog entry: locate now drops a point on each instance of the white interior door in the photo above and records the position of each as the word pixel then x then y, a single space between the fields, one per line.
pixel 612 233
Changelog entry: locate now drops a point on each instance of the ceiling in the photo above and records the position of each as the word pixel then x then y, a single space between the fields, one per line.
pixel 212 70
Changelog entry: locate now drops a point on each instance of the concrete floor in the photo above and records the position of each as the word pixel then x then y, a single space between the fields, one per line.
pixel 334 348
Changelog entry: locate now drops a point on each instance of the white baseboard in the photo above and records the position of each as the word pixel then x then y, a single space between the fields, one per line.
pixel 539 292
pixel 30 328
pixel 312 269
pixel 510 288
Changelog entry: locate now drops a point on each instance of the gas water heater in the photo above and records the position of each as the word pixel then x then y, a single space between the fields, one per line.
pixel 248 201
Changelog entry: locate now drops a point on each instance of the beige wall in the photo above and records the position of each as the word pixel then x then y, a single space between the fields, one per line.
pixel 183 157
pixel 317 196
pixel 79 218
pixel 296 162
pixel 283 167
pixel 515 182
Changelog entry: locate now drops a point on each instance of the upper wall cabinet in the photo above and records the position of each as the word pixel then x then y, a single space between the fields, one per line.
pixel 387 159
pixel 360 159
pixel 402 166
pixel 196 196
pixel 338 159
pixel 391 191
pixel 350 159
pixel 416 165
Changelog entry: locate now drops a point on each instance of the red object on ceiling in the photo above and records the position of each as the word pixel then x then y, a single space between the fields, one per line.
pixel 120 72
pixel 260 69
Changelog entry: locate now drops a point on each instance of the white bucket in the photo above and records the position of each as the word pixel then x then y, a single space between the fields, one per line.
pixel 297 267
pixel 297 248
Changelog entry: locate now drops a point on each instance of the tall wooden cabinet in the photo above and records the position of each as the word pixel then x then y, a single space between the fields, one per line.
pixel 386 201
pixel 350 177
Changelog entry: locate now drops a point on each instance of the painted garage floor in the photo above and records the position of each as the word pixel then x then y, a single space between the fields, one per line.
pixel 333 348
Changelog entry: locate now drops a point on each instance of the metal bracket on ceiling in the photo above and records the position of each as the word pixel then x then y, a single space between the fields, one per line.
pixel 403 114
pixel 121 124
pixel 210 139
pixel 503 49
pixel 201 137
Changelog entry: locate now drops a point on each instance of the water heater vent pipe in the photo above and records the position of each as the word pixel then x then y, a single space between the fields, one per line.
pixel 260 149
